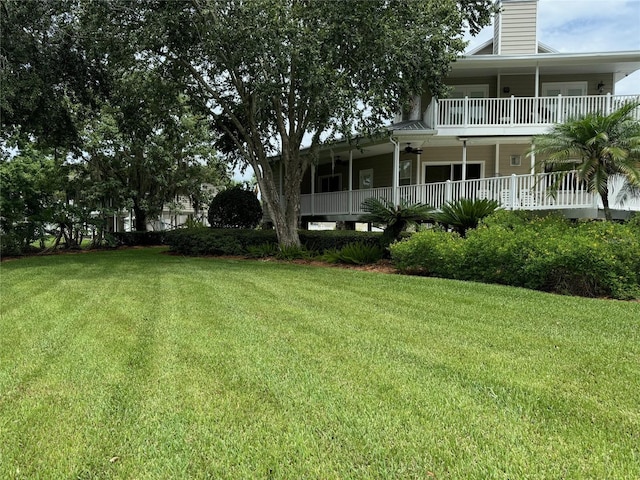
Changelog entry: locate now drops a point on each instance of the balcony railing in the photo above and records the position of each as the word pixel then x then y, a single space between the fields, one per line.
pixel 520 111
pixel 516 192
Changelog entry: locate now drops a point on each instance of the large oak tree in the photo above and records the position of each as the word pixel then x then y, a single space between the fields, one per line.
pixel 277 74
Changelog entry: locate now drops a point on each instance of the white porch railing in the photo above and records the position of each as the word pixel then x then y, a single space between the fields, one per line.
pixel 520 111
pixel 516 192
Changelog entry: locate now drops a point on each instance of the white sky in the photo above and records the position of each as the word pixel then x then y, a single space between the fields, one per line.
pixel 580 26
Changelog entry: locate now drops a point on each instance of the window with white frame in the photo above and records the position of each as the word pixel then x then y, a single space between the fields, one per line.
pixel 330 183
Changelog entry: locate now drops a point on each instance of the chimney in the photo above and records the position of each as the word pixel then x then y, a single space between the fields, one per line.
pixel 514 28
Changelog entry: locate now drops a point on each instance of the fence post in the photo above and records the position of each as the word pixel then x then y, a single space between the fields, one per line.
pixel 560 109
pixel 512 116
pixel 513 191
pixel 465 113
pixel 447 191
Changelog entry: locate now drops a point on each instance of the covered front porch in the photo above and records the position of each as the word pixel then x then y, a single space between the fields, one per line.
pixel 514 192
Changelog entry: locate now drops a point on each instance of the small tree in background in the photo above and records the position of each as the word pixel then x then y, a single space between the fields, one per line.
pixel 235 208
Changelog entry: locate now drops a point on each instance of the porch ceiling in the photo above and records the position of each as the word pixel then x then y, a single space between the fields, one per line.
pixel 619 63
pixel 420 140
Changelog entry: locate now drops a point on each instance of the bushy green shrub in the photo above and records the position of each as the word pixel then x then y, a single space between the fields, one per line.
pixel 429 252
pixel 209 241
pixel 496 252
pixel 589 258
pixel 132 239
pixel 293 253
pixel 322 240
pixel 262 251
pixel 357 253
pixel 235 208
pixel 10 246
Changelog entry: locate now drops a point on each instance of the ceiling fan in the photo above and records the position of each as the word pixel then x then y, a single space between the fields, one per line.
pixel 410 149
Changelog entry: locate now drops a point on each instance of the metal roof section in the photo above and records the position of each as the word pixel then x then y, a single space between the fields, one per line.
pixel 410 125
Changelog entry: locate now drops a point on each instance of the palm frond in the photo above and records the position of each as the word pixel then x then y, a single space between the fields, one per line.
pixel 597 146
pixel 465 213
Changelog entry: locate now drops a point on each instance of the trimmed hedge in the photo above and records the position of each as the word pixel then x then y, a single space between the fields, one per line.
pixel 322 240
pixel 592 259
pixel 211 241
pixel 132 239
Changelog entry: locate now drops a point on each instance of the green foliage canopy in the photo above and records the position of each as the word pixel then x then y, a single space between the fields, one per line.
pixel 273 74
pixel 235 208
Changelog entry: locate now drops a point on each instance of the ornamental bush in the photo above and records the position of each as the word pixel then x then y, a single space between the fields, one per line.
pixel 589 258
pixel 358 253
pixel 214 241
pixel 430 252
pixel 235 208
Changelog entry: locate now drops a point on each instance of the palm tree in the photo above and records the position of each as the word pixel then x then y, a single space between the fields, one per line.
pixel 596 146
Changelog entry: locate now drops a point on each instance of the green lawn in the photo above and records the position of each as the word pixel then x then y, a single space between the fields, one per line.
pixel 137 364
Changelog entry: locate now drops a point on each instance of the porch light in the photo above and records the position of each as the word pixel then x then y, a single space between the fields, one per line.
pixel 601 87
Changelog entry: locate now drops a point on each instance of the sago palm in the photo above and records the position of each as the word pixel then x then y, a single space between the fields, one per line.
pixel 394 218
pixel 465 213
pixel 596 146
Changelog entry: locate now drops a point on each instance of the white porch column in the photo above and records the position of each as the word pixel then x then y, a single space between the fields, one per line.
pixel 396 172
pixel 464 159
pixel 350 181
pixel 464 167
pixel 533 158
pixel 313 189
pixel 537 87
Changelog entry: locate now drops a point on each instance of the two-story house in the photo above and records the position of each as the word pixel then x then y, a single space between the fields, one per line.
pixel 474 143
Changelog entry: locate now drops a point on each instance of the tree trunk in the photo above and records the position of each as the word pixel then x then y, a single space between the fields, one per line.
pixel 284 212
pixel 140 219
pixel 605 205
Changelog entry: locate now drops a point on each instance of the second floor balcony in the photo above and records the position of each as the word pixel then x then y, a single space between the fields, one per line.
pixel 516 115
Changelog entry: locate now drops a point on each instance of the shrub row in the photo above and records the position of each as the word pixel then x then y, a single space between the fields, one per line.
pixel 10 245
pixel 547 253
pixel 210 241
pixel 132 239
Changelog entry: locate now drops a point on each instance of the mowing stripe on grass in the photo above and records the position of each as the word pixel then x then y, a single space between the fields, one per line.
pixel 137 364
